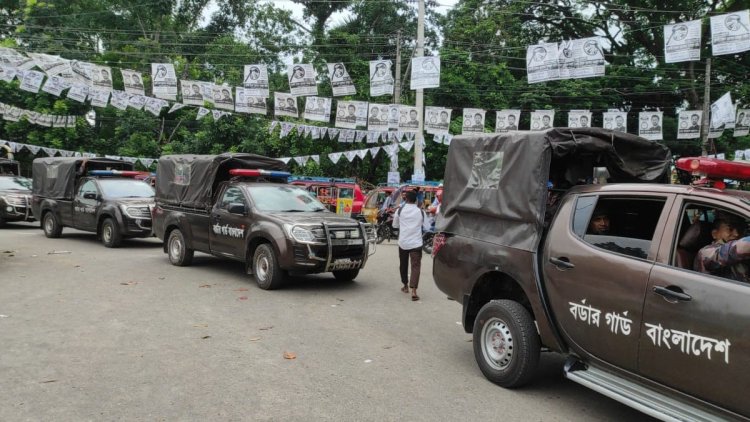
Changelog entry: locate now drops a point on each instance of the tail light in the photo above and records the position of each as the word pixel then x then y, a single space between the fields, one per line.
pixel 438 241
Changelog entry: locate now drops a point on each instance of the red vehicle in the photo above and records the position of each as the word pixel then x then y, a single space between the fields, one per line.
pixel 330 190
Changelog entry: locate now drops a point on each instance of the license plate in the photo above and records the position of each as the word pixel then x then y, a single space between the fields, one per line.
pixel 345 264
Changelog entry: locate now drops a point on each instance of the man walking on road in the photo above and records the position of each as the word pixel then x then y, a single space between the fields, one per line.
pixel 410 221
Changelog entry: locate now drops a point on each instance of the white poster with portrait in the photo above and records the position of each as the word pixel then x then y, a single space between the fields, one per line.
pixel 223 97
pixel 689 124
pixel 381 78
pixel 377 117
pixel 101 77
pixel 541 63
pixel 393 116
pixel 49 64
pixel 615 120
pixel 742 123
pixel 318 109
pixel 473 120
pixel 409 119
pixel 350 114
pixel 722 111
pixel 99 97
pixel 81 73
pixel 715 131
pixel 341 83
pixel 542 119
pixel 437 120
pixel 302 80
pixel 191 92
pixel 730 33
pixel 164 81
pixel 650 125
pixel 32 81
pixel 579 118
pixel 54 85
pixel 507 120
pixel 246 103
pixel 285 105
pixel 583 58
pixel 133 82
pixel 255 81
pixel 682 41
pixel 425 72
pixel 13 59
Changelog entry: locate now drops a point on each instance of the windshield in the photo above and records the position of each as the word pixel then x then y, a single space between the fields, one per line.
pixel 15 183
pixel 126 188
pixel 284 198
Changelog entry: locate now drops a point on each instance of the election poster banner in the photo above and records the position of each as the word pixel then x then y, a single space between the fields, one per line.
pixel 682 41
pixel 425 72
pixel 133 82
pixel 650 125
pixel 191 92
pixel 255 81
pixel 579 118
pixel 437 120
pixel 377 117
pixel 341 83
pixel 381 78
pixel 742 123
pixel 615 120
pixel 164 81
pixel 507 120
pixel 318 109
pixel 409 119
pixel 285 105
pixel 350 114
pixel 303 80
pixel 730 33
pixel 246 103
pixel 542 120
pixel 473 120
pixel 541 63
pixel 582 58
pixel 689 124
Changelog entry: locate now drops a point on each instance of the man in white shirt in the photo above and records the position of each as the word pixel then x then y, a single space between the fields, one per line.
pixel 411 221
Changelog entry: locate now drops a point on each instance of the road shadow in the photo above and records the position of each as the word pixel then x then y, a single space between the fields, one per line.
pixel 20 225
pixel 128 243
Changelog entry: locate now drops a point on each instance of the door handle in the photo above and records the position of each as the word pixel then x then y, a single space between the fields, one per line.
pixel 672 292
pixel 562 262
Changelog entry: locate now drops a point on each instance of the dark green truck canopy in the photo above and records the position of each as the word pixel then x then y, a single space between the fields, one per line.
pixel 496 185
pixel 55 177
pixel 191 180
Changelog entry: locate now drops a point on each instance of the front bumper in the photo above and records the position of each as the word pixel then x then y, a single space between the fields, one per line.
pixel 19 209
pixel 335 252
pixel 137 227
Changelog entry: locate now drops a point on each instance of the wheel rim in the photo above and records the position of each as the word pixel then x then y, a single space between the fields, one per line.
pixel 175 248
pixel 262 266
pixel 107 233
pixel 49 225
pixel 497 343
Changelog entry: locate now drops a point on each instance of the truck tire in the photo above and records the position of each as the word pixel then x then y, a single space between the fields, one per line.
pixel 268 274
pixel 110 233
pixel 50 225
pixel 506 343
pixel 177 250
pixel 346 275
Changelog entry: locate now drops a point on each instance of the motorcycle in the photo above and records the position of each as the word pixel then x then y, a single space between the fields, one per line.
pixel 427 241
pixel 384 228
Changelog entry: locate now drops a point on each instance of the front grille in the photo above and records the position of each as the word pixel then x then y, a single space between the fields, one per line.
pixel 348 251
pixel 18 200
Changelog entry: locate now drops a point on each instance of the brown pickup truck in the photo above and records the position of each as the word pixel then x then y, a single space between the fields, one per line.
pixel 604 274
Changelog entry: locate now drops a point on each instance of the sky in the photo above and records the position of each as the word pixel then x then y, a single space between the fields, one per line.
pixel 296 9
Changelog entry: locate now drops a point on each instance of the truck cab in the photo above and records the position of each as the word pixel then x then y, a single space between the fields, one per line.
pixel 96 195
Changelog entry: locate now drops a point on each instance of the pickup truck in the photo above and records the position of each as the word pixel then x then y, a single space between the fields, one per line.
pixel 15 193
pixel 97 195
pixel 535 266
pixel 240 206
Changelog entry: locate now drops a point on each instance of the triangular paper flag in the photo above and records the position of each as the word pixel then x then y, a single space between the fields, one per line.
pixel 315 158
pixel 285 129
pixel 334 157
pixel 202 112
pixel 217 114
pixel 332 133
pixel 361 135
pixel 406 145
pixel 350 155
pixel 302 160
pixel 274 123
pixel 175 107
pixel 374 151
pixel 361 153
pixel 447 139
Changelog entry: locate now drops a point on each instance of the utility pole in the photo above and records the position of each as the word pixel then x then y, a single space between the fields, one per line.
pixel 420 94
pixel 706 108
pixel 397 95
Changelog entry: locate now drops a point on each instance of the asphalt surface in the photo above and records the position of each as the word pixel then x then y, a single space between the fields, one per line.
pixel 90 333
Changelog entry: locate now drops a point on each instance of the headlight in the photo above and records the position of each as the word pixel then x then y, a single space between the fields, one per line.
pixel 300 234
pixel 136 212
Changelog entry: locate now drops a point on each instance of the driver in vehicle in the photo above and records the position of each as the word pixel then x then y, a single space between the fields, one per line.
pixel 726 255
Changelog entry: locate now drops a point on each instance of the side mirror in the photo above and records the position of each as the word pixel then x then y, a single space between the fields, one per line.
pixel 237 208
pixel 89 195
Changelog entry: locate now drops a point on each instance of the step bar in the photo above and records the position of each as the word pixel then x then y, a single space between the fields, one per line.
pixel 634 395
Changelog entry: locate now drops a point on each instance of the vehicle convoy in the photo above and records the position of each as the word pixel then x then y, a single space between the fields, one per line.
pixel 536 268
pixel 240 206
pixel 15 193
pixel 98 195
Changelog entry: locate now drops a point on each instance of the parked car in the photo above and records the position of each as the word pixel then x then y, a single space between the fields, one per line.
pixel 626 306
pixel 15 193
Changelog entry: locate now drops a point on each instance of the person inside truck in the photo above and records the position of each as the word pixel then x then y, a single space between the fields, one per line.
pixel 599 223
pixel 727 256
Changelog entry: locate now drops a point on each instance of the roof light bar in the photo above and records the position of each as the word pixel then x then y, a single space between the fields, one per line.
pixel 713 168
pixel 258 173
pixel 123 173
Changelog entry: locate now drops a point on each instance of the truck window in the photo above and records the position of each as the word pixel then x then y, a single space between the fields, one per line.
pixel 695 249
pixel 232 195
pixel 87 187
pixel 619 224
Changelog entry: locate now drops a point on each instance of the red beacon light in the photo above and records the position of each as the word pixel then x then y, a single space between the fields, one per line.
pixel 259 173
pixel 714 170
pixel 121 173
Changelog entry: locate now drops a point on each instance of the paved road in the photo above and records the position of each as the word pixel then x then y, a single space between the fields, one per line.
pixel 90 333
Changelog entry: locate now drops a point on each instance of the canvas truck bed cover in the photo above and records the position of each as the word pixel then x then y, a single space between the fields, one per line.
pixel 495 186
pixel 55 177
pixel 191 180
